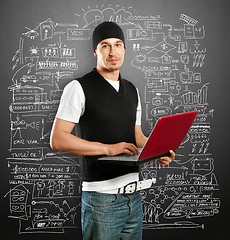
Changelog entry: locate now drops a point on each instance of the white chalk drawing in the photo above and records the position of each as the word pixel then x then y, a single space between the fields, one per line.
pixel 44 194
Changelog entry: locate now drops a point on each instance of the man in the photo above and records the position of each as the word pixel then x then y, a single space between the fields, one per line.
pixel 108 110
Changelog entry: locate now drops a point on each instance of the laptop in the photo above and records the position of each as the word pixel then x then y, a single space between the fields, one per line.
pixel 168 134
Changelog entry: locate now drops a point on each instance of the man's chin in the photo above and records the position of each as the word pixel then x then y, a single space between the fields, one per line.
pixel 113 68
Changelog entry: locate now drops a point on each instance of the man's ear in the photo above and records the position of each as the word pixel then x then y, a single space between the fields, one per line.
pixel 95 53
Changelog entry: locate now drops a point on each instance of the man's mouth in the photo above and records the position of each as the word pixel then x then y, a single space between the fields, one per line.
pixel 113 60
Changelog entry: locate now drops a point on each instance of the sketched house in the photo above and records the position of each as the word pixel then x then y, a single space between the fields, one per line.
pixel 18 202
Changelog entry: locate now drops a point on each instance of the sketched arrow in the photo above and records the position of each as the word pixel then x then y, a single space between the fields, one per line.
pixel 146 48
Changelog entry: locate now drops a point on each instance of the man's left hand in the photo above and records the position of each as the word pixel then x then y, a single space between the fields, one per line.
pixel 166 160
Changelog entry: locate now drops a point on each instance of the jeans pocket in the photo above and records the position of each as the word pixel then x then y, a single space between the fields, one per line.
pixel 95 200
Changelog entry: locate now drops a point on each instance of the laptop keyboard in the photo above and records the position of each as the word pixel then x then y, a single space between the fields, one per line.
pixel 123 157
pixel 126 157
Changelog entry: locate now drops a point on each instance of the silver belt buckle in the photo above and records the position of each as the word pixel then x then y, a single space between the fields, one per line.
pixel 130 189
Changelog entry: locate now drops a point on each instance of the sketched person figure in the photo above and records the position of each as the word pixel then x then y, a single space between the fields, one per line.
pixel 108 110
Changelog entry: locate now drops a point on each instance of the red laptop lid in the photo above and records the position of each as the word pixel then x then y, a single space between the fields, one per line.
pixel 168 134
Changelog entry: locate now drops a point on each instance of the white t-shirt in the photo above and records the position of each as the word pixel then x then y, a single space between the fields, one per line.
pixel 71 108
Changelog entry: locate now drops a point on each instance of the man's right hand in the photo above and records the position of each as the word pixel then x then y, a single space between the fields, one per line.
pixel 123 147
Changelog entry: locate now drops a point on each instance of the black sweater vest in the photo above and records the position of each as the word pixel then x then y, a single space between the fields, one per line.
pixel 109 118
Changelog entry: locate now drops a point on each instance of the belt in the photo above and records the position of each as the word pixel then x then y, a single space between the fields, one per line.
pixel 130 188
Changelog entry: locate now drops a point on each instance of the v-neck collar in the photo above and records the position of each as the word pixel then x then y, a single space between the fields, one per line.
pixel 108 84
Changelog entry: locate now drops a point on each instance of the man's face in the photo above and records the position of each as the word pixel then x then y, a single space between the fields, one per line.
pixel 110 54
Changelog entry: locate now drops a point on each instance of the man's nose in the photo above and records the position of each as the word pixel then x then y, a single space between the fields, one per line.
pixel 112 51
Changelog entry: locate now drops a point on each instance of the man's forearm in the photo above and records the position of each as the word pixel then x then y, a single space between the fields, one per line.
pixel 69 143
pixel 62 139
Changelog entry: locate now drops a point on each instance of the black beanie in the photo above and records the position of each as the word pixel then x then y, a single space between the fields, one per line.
pixel 107 30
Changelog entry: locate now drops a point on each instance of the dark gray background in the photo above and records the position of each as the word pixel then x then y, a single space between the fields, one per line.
pixel 15 15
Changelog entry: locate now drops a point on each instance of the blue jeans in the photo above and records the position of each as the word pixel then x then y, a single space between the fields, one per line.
pixel 111 216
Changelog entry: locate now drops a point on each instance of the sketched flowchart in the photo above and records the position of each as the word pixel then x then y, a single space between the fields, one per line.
pixel 44 194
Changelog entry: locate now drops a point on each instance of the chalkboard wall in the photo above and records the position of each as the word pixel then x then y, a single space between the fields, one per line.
pixel 177 55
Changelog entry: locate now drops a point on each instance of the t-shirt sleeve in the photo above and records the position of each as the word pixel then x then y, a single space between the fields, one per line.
pixel 139 110
pixel 72 102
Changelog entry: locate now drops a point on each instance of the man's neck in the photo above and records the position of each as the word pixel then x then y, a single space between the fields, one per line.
pixel 111 75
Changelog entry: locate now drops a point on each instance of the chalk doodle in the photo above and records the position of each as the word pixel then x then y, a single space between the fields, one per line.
pixel 45 185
